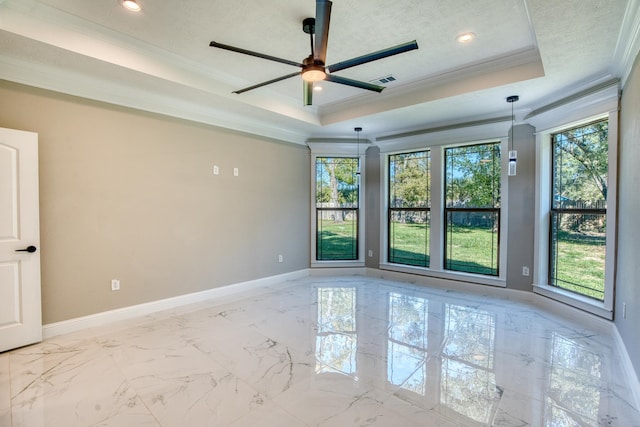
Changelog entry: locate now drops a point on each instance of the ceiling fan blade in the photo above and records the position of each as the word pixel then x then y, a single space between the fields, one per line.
pixel 401 48
pixel 288 76
pixel 307 89
pixel 256 54
pixel 354 83
pixel 323 16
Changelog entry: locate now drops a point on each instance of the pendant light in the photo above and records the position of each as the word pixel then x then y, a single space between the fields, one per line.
pixel 358 130
pixel 513 154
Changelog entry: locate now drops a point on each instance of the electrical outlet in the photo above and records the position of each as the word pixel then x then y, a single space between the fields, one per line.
pixel 370 253
pixel 236 172
pixel 525 270
pixel 216 170
pixel 280 258
pixel 115 284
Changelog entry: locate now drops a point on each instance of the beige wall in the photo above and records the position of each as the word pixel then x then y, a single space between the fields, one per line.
pixel 521 209
pixel 628 268
pixel 130 195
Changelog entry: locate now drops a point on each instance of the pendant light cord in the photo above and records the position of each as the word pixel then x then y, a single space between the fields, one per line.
pixel 512 123
pixel 358 130
pixel 511 99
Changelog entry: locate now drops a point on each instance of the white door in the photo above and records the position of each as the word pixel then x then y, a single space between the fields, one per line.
pixel 20 311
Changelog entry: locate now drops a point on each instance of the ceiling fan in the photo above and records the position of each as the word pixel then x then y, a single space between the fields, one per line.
pixel 313 67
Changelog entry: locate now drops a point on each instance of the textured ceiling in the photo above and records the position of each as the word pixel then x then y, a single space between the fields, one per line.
pixel 159 59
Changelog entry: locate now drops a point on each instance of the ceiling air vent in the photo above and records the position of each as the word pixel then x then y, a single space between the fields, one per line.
pixel 384 80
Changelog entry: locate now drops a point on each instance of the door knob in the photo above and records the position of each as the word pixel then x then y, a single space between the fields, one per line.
pixel 30 249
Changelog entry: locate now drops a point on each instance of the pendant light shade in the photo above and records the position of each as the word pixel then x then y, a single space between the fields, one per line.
pixel 513 154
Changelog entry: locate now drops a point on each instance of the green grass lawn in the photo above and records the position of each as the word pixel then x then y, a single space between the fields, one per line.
pixel 337 240
pixel 409 243
pixel 580 266
pixel 469 249
pixel 580 263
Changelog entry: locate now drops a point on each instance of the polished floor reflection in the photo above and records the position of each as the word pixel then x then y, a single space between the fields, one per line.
pixel 340 351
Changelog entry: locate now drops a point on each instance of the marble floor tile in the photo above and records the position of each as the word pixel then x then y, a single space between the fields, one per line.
pixel 325 351
pixel 5 393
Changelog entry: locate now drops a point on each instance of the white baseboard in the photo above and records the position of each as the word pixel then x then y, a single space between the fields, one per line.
pixel 627 367
pixel 230 291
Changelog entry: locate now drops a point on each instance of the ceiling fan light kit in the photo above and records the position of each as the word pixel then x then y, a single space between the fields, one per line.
pixel 312 72
pixel 314 68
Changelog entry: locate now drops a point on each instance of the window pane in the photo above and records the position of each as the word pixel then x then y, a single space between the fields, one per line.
pixel 577 257
pixel 409 201
pixel 472 211
pixel 578 213
pixel 337 234
pixel 337 196
pixel 409 237
pixel 473 176
pixel 336 182
pixel 409 180
pixel 580 167
pixel 472 241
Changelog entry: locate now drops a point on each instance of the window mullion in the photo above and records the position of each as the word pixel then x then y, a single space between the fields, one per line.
pixel 437 209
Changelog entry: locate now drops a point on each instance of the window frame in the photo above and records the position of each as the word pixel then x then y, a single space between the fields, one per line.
pixel 493 210
pixel 338 150
pixel 593 106
pixel 557 212
pixel 426 209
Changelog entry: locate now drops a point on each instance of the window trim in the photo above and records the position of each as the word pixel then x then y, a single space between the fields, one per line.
pixel 596 105
pixel 436 140
pixel 342 150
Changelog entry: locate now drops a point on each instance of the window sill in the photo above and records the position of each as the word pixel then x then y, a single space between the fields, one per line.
pixel 449 275
pixel 578 301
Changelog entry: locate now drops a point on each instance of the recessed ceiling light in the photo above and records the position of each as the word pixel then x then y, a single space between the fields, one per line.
pixel 465 37
pixel 317 88
pixel 131 5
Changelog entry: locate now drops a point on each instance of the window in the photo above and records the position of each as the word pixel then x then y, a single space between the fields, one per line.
pixel 409 206
pixel 578 215
pixel 575 229
pixel 337 208
pixel 442 206
pixel 472 208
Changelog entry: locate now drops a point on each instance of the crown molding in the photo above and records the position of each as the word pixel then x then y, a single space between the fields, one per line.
pixel 628 44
